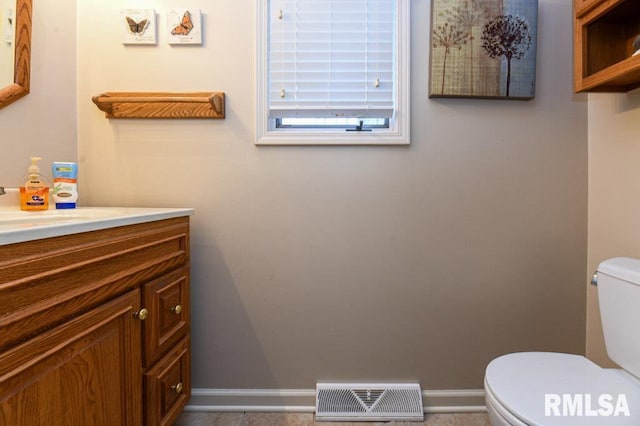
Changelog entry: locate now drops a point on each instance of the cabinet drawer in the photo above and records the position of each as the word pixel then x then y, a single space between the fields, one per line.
pixel 168 385
pixel 167 302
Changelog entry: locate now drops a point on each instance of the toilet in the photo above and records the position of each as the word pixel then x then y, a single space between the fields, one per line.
pixel 549 389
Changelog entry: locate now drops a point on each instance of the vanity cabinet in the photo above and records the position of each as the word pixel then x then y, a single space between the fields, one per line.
pixel 94 327
pixel 604 31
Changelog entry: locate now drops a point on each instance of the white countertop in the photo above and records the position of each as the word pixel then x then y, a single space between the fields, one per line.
pixel 18 226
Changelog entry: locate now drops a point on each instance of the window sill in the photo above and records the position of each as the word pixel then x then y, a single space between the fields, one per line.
pixel 331 137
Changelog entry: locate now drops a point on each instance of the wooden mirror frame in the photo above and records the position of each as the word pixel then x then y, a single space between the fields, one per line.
pixel 22 58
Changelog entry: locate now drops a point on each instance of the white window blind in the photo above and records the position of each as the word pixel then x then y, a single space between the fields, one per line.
pixel 332 58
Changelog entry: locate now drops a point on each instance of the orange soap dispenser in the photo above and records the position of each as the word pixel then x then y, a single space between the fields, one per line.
pixel 34 195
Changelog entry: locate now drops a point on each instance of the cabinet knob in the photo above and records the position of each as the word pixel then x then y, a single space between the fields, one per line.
pixel 177 388
pixel 142 314
pixel 176 309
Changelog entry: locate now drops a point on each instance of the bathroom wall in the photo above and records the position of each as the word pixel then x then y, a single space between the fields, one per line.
pixel 7 48
pixel 614 182
pixel 338 263
pixel 352 263
pixel 44 123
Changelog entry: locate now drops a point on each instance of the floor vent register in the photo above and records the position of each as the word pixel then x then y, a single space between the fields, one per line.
pixel 368 401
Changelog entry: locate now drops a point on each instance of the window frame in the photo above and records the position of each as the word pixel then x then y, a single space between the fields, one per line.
pixel 398 132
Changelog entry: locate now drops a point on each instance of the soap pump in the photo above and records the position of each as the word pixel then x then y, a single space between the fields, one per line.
pixel 34 195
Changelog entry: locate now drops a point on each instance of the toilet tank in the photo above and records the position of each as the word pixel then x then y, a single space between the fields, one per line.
pixel 619 300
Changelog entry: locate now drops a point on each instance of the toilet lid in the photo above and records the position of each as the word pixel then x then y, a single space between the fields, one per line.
pixel 545 388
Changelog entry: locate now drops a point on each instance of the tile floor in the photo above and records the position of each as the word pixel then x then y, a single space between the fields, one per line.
pixel 305 419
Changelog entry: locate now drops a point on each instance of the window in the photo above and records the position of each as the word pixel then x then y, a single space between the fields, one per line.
pixel 333 72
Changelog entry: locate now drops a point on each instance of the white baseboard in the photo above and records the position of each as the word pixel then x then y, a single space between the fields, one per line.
pixel 304 400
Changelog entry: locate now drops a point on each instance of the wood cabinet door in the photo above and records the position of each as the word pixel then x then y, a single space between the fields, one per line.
pixel 83 373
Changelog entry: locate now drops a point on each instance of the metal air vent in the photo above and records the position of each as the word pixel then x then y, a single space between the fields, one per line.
pixel 368 401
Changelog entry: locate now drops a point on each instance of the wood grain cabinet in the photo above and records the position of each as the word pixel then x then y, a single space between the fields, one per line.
pixel 604 31
pixel 94 327
pixel 582 6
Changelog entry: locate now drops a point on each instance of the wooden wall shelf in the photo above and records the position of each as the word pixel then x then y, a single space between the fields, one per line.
pixel 161 104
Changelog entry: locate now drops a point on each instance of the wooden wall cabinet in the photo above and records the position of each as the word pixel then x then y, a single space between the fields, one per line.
pixel 604 31
pixel 582 6
pixel 94 327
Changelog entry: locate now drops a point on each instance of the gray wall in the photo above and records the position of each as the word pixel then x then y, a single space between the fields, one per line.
pixel 352 263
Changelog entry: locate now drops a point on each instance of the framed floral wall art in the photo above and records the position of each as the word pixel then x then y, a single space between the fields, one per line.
pixel 483 48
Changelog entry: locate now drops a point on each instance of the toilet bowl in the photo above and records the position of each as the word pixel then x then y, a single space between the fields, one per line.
pixel 545 388
pixel 556 389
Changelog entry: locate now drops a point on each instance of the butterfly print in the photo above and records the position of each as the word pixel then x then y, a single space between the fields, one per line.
pixel 137 28
pixel 185 26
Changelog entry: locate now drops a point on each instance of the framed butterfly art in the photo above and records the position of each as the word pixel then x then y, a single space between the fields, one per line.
pixel 138 26
pixel 8 19
pixel 184 26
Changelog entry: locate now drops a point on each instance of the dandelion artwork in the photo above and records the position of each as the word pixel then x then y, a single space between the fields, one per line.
pixel 483 48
